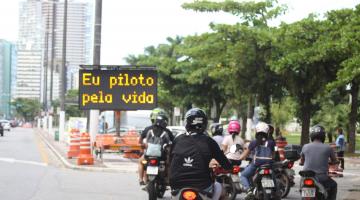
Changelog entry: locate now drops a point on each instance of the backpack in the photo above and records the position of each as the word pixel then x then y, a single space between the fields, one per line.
pixel 263 155
pixel 188 164
pixel 155 143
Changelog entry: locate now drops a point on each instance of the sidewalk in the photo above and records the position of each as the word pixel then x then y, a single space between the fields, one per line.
pixel 352 162
pixel 112 162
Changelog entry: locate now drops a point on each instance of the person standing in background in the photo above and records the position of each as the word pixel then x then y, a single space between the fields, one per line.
pixel 340 145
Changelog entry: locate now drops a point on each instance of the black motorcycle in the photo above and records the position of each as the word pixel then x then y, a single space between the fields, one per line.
pixel 264 184
pixel 284 175
pixel 310 187
pixel 190 194
pixel 156 174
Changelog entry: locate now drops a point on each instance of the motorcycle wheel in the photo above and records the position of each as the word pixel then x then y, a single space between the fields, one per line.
pixel 151 189
pixel 160 188
pixel 230 189
pixel 265 195
pixel 283 184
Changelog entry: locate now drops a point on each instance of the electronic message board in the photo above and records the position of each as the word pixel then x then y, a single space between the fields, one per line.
pixel 118 89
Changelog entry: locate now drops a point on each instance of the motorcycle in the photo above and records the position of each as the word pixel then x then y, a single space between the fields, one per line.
pixel 264 184
pixel 229 179
pixel 284 175
pixel 190 194
pixel 156 172
pixel 310 187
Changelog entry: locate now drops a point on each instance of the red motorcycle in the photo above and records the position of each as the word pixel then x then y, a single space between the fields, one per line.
pixel 230 181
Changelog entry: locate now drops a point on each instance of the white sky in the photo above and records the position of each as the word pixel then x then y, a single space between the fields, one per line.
pixel 131 25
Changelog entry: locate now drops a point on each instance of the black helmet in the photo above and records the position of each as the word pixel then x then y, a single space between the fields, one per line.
pixel 195 120
pixel 216 129
pixel 161 120
pixel 155 112
pixel 317 132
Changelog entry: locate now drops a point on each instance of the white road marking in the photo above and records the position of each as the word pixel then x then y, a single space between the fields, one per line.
pixel 12 160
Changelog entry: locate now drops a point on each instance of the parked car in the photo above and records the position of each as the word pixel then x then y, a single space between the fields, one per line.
pixel 5 124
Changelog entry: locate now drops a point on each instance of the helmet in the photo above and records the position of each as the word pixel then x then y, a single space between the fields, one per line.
pixel 216 129
pixel 317 132
pixel 195 120
pixel 234 127
pixel 262 127
pixel 161 120
pixel 155 112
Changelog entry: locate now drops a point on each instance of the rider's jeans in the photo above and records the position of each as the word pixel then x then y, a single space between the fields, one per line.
pixel 216 190
pixel 248 172
pixel 331 185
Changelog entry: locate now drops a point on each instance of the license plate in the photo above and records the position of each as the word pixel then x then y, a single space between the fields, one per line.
pixel 267 183
pixel 235 178
pixel 308 192
pixel 152 170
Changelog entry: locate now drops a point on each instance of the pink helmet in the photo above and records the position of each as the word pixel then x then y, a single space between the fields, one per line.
pixel 234 126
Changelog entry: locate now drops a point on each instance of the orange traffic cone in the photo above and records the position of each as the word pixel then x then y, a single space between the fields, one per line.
pixel 281 150
pixel 74 147
pixel 85 157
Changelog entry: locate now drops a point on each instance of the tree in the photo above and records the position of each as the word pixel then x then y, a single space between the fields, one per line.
pixel 27 108
pixel 248 46
pixel 301 57
pixel 346 23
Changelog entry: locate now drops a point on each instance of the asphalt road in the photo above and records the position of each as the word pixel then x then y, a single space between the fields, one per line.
pixel 30 171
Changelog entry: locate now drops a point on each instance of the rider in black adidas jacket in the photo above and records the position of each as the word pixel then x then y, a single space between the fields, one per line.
pixel 191 154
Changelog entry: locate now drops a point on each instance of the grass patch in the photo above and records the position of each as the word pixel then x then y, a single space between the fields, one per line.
pixel 295 139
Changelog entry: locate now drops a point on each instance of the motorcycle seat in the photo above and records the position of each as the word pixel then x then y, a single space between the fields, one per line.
pixel 307 173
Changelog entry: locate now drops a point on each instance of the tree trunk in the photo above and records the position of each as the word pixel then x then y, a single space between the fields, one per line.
pixel 267 109
pixel 305 120
pixel 352 116
pixel 250 115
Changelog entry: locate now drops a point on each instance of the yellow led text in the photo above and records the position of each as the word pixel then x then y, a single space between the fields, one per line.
pixel 96 98
pixel 142 98
pixel 125 80
pixel 88 79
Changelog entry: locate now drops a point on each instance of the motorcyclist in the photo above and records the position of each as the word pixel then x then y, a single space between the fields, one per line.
pixel 191 154
pixel 261 141
pixel 233 129
pixel 315 157
pixel 217 133
pixel 159 121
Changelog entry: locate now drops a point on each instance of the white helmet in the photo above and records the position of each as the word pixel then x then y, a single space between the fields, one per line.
pixel 262 127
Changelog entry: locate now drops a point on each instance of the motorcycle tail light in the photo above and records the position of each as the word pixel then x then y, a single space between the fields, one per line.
pixel 153 162
pixel 308 182
pixel 267 171
pixel 236 169
pixel 290 165
pixel 189 195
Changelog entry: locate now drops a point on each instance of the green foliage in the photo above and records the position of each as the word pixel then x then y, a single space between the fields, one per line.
pixel 283 112
pixel 26 108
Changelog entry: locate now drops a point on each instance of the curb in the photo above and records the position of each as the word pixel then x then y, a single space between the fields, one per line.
pixel 76 167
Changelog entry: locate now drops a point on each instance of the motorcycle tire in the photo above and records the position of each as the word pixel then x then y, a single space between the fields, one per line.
pixel 265 196
pixel 230 189
pixel 151 189
pixel 283 183
pixel 160 188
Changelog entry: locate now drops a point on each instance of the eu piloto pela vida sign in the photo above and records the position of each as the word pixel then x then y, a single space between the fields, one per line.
pixel 118 89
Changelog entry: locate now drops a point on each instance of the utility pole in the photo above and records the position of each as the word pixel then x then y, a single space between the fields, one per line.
pixel 63 77
pixel 46 68
pixel 53 41
pixel 94 114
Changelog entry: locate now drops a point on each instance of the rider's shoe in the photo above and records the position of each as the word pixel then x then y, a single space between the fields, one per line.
pixel 142 183
pixel 249 194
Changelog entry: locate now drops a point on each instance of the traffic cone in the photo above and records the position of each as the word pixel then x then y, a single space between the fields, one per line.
pixel 74 147
pixel 85 157
pixel 280 145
